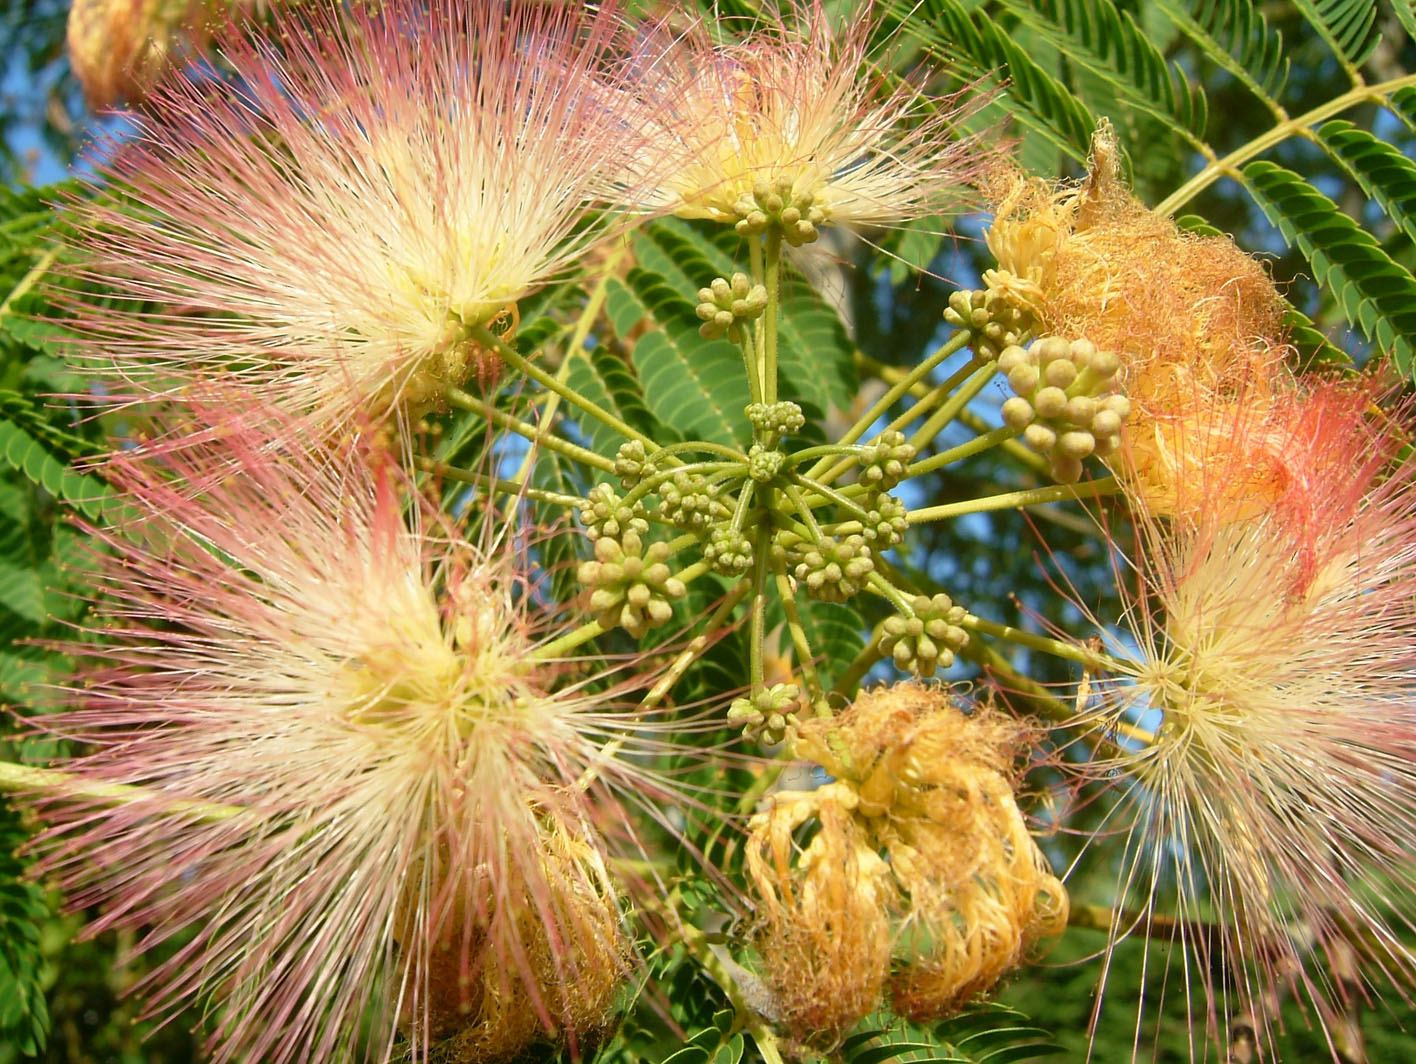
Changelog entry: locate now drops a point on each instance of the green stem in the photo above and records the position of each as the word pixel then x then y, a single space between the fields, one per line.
pixel 802 645
pixel 506 487
pixel 831 494
pixel 1017 451
pixel 1017 499
pixel 1058 649
pixel 750 365
pixel 487 338
pixel 557 647
pixel 27 779
pixel 770 314
pixel 949 410
pixel 833 450
pixel 974 446
pixel 1229 165
pixel 757 633
pixel 577 340
pixel 695 647
pixel 744 503
pixel 808 518
pixel 878 583
pixel 998 665
pixel 38 270
pixel 537 434
pixel 862 425
pixel 849 681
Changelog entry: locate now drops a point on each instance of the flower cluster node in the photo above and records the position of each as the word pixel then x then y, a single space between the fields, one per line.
pixel 763 463
pixel 782 418
pixel 996 320
pixel 885 521
pixel 777 203
pixel 632 463
pixel 921 881
pixel 835 570
pixel 604 514
pixel 928 640
pixel 633 586
pixel 884 463
pixel 768 713
pixel 725 304
pixel 728 551
pixel 1064 404
pixel 691 501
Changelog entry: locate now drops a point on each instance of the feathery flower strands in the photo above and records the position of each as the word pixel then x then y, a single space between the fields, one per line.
pixel 360 797
pixel 1265 700
pixel 330 228
pixel 792 123
pixel 508 479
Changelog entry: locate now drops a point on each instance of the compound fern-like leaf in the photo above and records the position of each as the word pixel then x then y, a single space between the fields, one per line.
pixel 1387 176
pixel 1375 293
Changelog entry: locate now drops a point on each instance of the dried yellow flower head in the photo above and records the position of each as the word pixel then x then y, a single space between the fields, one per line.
pixel 921 878
pixel 1092 261
pixel 824 928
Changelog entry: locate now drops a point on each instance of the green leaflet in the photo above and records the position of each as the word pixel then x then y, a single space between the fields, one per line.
pixel 1376 294
pixel 604 378
pixel 24 1016
pixel 1348 26
pixel 987 1034
pixel 1237 36
pixel 1386 176
pixel 1097 36
pixel 21 451
pixel 980 49
pixel 816 364
pixel 698 386
pixel 1314 348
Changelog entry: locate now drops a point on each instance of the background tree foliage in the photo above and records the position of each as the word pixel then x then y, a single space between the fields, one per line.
pixel 1291 125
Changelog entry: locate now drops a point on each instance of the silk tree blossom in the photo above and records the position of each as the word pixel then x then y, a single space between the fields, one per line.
pixel 363 799
pixel 795 112
pixel 1259 723
pixel 329 226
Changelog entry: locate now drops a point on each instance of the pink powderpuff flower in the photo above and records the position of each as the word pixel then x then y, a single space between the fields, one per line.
pixel 1258 723
pixel 328 225
pixel 794 117
pixel 361 800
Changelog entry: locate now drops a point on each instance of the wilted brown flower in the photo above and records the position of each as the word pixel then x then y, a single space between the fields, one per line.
pixel 921 835
pixel 1092 261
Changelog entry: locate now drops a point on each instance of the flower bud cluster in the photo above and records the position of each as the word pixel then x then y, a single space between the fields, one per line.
pixel 781 418
pixel 832 570
pixel 884 463
pixel 764 463
pixel 778 204
pixel 633 586
pixel 1063 405
pixel 928 640
pixel 996 321
pixel 604 514
pixel 768 714
pixel 724 305
pixel 885 521
pixel 691 501
pixel 728 551
pixel 632 463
